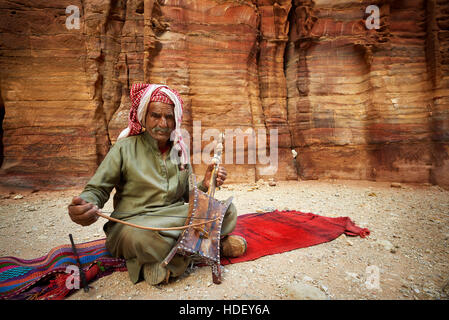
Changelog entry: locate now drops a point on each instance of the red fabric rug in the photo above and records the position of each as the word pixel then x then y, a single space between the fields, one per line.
pixel 280 231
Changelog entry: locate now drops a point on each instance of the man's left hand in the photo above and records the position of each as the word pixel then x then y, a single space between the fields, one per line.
pixel 221 175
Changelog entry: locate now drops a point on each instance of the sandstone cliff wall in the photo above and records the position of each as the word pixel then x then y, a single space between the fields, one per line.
pixel 354 103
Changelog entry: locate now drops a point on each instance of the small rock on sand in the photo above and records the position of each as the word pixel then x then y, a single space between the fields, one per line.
pixel 303 291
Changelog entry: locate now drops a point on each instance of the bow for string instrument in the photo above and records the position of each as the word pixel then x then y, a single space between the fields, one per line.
pixel 202 242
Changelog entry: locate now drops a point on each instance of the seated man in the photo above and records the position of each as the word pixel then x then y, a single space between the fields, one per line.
pixel 151 188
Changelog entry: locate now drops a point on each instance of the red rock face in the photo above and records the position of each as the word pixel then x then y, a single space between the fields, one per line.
pixel 362 103
pixel 354 103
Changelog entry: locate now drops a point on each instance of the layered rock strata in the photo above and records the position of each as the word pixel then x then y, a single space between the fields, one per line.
pixel 353 102
pixel 361 102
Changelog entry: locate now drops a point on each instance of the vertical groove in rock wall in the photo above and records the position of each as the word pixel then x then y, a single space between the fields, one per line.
pixel 274 29
pixel 129 65
pixel 438 69
pixel 302 19
pixel 354 103
pixel 2 116
pixel 96 17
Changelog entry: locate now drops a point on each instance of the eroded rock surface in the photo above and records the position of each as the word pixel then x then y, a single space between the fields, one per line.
pixel 353 102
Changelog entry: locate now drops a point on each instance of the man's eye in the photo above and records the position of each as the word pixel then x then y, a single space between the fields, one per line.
pixel 155 115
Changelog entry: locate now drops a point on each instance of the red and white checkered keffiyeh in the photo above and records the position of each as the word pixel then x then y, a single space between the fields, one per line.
pixel 141 95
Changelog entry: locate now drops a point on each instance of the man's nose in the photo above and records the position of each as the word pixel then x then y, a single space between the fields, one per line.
pixel 163 122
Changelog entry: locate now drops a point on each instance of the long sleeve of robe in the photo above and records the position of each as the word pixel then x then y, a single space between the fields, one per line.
pixel 151 191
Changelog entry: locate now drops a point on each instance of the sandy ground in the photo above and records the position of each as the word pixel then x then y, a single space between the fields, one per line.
pixel 405 257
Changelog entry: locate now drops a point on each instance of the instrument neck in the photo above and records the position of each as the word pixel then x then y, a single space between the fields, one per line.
pixel 217 157
pixel 212 184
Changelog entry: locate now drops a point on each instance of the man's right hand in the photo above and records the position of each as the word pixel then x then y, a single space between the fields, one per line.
pixel 82 212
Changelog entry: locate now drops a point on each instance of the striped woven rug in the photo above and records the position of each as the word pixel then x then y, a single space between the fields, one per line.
pixel 45 277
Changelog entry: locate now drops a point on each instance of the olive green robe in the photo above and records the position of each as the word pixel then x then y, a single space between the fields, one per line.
pixel 151 191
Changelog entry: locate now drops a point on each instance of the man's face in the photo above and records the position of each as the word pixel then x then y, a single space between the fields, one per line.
pixel 160 121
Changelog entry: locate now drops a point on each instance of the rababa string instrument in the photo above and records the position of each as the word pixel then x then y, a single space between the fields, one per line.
pixel 202 242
